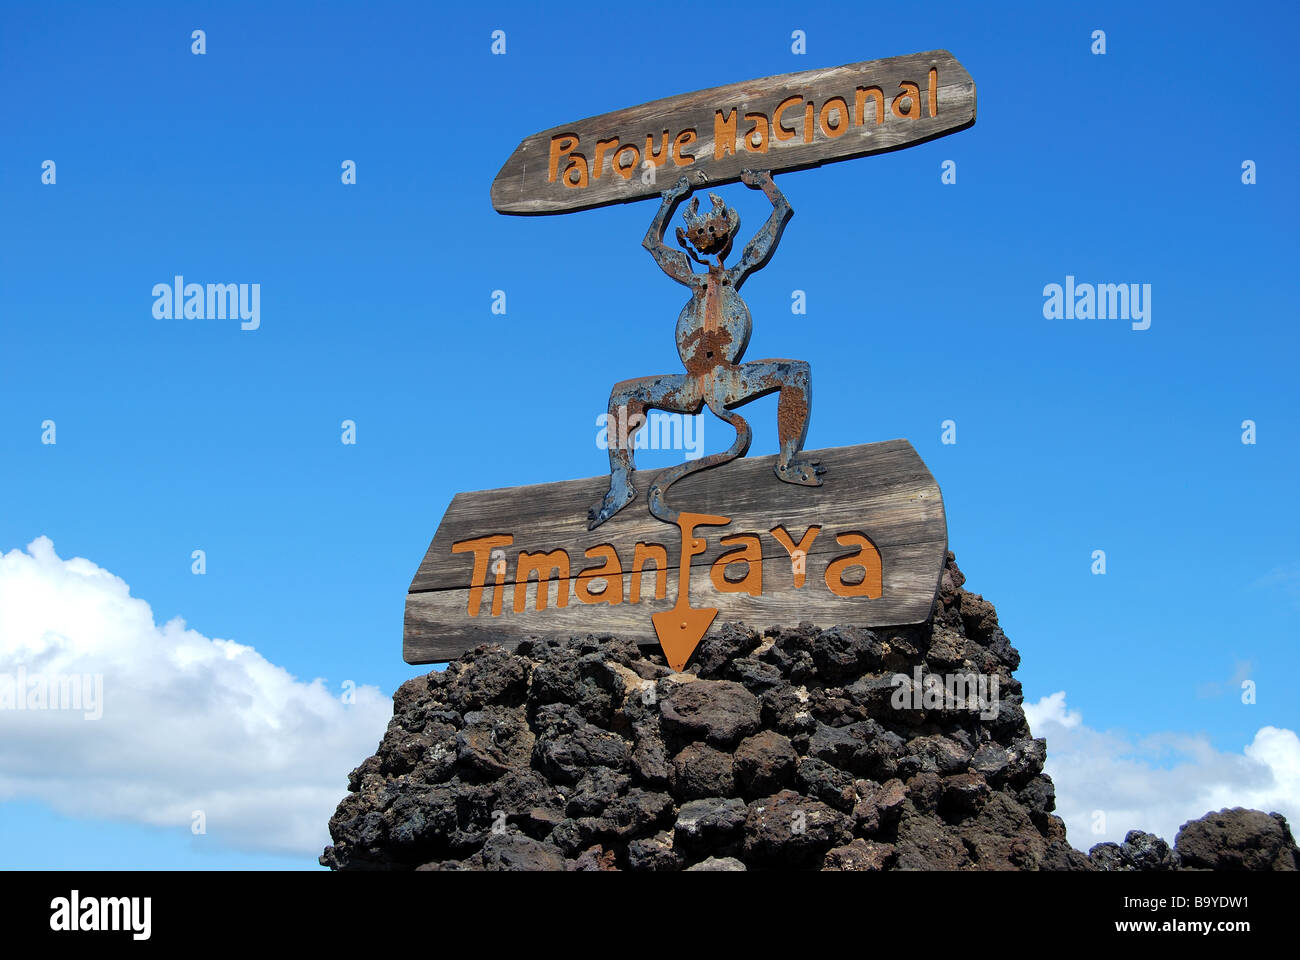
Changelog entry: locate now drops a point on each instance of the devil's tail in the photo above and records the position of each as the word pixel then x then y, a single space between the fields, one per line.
pixel 659 488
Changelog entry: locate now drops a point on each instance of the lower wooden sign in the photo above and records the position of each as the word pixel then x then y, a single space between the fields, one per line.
pixel 867 547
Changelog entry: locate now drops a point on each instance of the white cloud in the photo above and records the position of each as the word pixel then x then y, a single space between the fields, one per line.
pixel 189 723
pixel 1158 783
pixel 1051 709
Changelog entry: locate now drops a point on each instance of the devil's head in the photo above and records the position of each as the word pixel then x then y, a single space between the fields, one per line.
pixel 710 232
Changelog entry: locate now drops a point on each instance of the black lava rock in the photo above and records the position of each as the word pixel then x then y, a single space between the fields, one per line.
pixel 792 748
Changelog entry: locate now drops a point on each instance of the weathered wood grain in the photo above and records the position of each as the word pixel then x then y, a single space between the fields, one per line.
pixel 881 490
pixel 691 134
pixel 886 481
pixel 437 628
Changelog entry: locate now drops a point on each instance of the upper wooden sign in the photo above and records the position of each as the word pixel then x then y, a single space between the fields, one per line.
pixel 866 548
pixel 787 122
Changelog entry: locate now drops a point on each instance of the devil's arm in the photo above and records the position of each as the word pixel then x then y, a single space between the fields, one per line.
pixel 760 249
pixel 672 262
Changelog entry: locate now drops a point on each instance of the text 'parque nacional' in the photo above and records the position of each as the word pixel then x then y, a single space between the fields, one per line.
pixel 779 123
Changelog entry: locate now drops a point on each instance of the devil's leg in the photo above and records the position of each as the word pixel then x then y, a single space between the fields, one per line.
pixel 793 378
pixel 628 403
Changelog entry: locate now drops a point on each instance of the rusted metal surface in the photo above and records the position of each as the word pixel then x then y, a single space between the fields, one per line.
pixel 713 330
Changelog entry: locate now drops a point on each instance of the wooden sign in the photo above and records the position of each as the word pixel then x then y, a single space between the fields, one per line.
pixel 867 547
pixel 787 122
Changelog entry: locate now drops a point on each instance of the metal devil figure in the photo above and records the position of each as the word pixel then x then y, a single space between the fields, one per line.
pixel 712 333
pixel 844 535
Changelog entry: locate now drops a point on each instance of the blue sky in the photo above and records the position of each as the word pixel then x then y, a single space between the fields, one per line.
pixel 925 303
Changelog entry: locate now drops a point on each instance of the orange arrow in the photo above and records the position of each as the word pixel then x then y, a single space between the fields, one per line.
pixel 681 629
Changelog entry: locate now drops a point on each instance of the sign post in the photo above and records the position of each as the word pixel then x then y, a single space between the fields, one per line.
pixel 844 535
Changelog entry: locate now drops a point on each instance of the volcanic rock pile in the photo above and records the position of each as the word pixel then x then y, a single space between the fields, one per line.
pixel 1236 839
pixel 797 748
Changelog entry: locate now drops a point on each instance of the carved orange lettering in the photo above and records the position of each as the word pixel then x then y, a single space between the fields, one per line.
pixel 867 557
pixel 641 554
pixel 759 130
pixel 602 147
pixel 841 117
pixel 683 139
pixel 626 171
pixel 724 134
pixel 750 554
pixel 660 157
pixel 860 101
pixel 575 174
pixel 912 94
pixel 561 146
pixel 557 562
pixel 611 570
pixel 800 563
pixel 780 130
pixel 482 548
